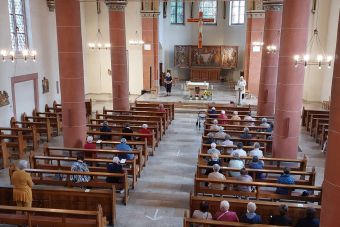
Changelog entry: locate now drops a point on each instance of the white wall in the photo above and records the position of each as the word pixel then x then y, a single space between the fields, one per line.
pixel 42 37
pixel 187 34
pixel 24 98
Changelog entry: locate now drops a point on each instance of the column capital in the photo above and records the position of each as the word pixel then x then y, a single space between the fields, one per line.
pixel 273 5
pixel 256 14
pixel 51 5
pixel 116 5
pixel 151 14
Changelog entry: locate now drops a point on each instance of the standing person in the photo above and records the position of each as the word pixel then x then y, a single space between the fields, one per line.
pixel 241 83
pixel 22 185
pixel 168 83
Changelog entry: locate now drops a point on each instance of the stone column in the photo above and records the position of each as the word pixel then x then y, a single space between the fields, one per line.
pixel 270 60
pixel 331 183
pixel 289 92
pixel 71 72
pixel 120 79
pixel 254 33
pixel 150 57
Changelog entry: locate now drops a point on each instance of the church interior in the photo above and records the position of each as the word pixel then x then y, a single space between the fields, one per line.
pixel 169 112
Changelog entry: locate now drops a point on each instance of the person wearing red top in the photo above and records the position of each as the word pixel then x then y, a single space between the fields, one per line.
pixel 161 108
pixel 222 118
pixel 145 130
pixel 224 214
pixel 90 145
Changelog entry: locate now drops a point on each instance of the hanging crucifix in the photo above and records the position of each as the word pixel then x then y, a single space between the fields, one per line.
pixel 200 20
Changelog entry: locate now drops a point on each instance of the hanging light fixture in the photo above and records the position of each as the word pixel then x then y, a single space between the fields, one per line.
pixel 99 44
pixel 136 41
pixel 272 48
pixel 320 58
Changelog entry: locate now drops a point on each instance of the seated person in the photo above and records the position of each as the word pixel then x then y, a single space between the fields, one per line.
pixel 245 135
pixel 271 127
pixel 257 164
pixel 222 118
pixel 264 123
pixel 114 167
pixel 249 118
pixel 216 175
pixel 239 150
pixel 235 117
pixel 282 219
pixel 90 145
pixel 244 177
pixel 251 217
pixel 235 162
pixel 161 108
pixel 80 166
pixel 214 160
pixel 215 126
pixel 285 178
pixel 220 134
pixel 105 128
pixel 213 149
pixel 228 143
pixel 224 214
pixel 124 147
pixel 210 138
pixel 203 213
pixel 309 220
pixel 127 129
pixel 212 111
pixel 256 151
pixel 145 130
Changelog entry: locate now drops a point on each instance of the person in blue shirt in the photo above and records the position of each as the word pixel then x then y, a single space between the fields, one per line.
pixel 256 164
pixel 285 178
pixel 124 147
pixel 251 217
pixel 309 220
pixel 247 136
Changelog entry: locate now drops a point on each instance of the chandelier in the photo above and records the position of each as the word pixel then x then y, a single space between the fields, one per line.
pixel 13 55
pixel 271 49
pixel 99 44
pixel 136 41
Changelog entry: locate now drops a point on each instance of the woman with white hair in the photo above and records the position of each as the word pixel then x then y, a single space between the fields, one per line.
pixel 215 126
pixel 213 149
pixel 224 214
pixel 114 167
pixel 90 146
pixel 249 118
pixel 228 143
pixel 236 118
pixel 220 134
pixel 22 185
pixel 145 130
pixel 264 123
pixel 222 118
pixel 256 151
pixel 212 111
pixel 216 175
pixel 251 217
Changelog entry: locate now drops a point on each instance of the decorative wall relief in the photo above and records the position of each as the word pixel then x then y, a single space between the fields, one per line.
pixel 45 85
pixel 206 56
pixel 182 55
pixel 4 98
pixel 229 57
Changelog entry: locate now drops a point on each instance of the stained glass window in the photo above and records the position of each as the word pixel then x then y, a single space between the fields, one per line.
pixel 177 11
pixel 237 11
pixel 209 9
pixel 17 20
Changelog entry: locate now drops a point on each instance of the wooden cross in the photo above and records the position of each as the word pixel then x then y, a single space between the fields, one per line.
pixel 200 20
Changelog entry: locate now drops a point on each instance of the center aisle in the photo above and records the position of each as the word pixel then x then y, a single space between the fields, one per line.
pixel 167 180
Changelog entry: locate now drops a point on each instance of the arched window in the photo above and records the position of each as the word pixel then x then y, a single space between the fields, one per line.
pixel 177 11
pixel 237 11
pixel 18 27
pixel 209 9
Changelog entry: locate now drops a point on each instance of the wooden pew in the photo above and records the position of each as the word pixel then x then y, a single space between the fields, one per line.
pixel 269 163
pixel 168 110
pixel 318 127
pixel 117 128
pixel 67 198
pixel 4 155
pixel 73 152
pixel 153 142
pixel 53 121
pixel 236 127
pixel 312 121
pixel 43 128
pixel 57 163
pixel 323 135
pixel 264 208
pixel 131 122
pixel 171 106
pixel 255 134
pixel 14 141
pixel 241 114
pixel 51 217
pixel 239 122
pixel 229 107
pixel 260 191
pixel 223 149
pixel 29 134
pixel 306 114
pixel 46 177
pixel 54 118
pixel 272 174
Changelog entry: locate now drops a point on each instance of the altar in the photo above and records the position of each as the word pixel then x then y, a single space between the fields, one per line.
pixel 197 89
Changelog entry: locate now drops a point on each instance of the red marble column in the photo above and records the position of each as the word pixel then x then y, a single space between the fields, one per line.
pixel 71 72
pixel 270 61
pixel 331 183
pixel 120 78
pixel 150 57
pixel 289 92
pixel 254 33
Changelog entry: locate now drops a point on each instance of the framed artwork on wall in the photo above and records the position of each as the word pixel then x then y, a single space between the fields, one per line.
pixel 4 98
pixel 45 85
